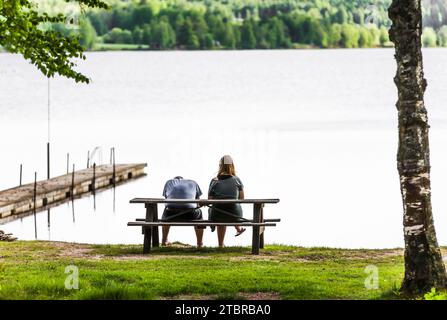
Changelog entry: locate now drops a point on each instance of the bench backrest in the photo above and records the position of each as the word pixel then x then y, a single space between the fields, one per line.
pixel 202 201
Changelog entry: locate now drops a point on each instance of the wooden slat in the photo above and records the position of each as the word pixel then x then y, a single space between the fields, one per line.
pixel 185 224
pixel 202 201
pixel 205 221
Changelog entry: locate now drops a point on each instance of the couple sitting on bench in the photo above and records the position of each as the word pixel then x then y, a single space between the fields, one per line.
pixel 226 185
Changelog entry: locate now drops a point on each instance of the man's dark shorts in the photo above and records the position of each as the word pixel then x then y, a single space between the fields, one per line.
pixel 192 214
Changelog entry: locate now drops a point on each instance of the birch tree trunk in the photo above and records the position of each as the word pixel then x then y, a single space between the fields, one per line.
pixel 424 267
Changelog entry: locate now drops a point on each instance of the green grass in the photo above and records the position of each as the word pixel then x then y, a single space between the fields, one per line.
pixel 118 46
pixel 36 270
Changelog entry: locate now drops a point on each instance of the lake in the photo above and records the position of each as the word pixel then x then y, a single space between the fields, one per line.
pixel 315 128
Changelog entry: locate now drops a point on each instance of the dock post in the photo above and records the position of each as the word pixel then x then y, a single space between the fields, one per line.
pixel 88 159
pixel 20 182
pixel 114 170
pixel 94 177
pixel 73 211
pixel 34 204
pixel 48 160
pixel 72 182
pixel 49 127
pixel 68 162
pixel 114 200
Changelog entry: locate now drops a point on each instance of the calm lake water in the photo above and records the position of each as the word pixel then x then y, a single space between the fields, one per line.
pixel 315 128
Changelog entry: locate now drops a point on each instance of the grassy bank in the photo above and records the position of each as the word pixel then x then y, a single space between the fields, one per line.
pixel 119 47
pixel 36 270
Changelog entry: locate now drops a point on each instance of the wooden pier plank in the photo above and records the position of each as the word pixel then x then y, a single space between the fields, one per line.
pixel 19 199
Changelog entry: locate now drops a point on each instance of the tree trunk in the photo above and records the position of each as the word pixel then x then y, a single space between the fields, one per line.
pixel 424 268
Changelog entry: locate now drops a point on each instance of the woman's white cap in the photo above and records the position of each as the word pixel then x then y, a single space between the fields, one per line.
pixel 226 160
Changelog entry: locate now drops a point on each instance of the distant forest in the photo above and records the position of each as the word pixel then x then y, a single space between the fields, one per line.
pixel 244 24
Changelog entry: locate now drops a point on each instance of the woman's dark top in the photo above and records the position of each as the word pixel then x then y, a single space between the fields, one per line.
pixel 225 187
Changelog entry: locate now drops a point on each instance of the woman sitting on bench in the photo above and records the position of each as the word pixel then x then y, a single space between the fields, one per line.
pixel 226 185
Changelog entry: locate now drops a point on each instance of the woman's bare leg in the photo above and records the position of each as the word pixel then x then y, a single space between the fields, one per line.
pixel 221 235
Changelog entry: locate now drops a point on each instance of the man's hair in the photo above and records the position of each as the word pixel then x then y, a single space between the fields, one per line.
pixel 178 177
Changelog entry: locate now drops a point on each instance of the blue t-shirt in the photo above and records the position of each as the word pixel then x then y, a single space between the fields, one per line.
pixel 181 189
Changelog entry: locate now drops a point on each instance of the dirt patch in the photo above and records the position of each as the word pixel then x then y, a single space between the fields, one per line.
pixel 260 296
pixel 278 256
pixel 384 253
pixel 86 251
pixel 343 255
pixel 74 250
pixel 259 257
pixel 154 257
pixel 239 296
pixel 190 297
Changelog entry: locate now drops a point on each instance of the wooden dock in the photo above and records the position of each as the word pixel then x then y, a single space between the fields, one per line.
pixel 19 200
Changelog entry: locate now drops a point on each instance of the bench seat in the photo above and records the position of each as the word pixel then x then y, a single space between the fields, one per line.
pixel 201 223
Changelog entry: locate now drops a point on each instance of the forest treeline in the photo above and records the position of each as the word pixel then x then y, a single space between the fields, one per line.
pixel 247 24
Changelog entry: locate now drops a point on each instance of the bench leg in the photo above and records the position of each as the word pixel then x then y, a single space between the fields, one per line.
pixel 155 236
pixel 151 211
pixel 261 240
pixel 147 240
pixel 262 230
pixel 256 241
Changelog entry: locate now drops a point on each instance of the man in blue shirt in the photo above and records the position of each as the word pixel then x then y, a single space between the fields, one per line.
pixel 179 188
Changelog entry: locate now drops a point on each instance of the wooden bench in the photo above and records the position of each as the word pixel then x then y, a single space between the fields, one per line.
pixel 151 223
